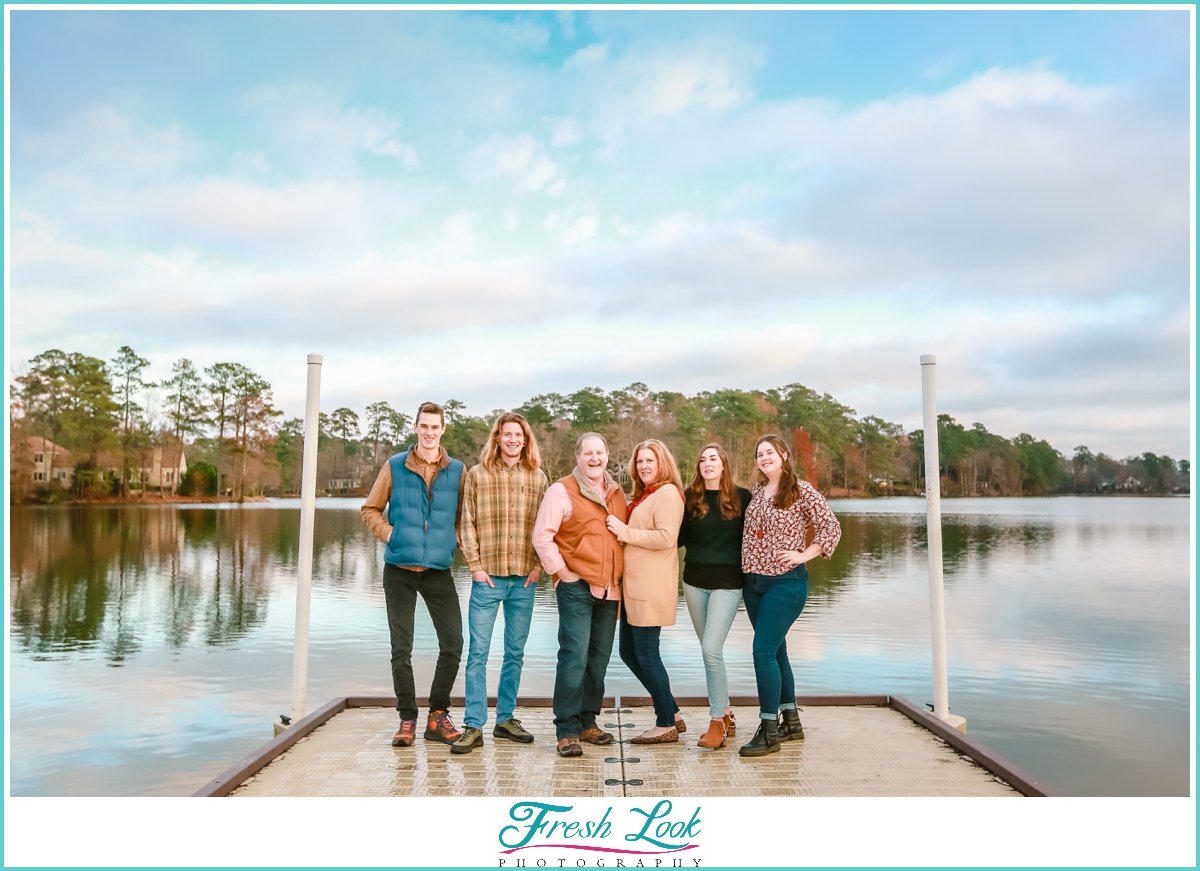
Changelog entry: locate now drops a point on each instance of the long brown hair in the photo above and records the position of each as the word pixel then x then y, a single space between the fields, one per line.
pixel 531 457
pixel 788 490
pixel 668 472
pixel 695 505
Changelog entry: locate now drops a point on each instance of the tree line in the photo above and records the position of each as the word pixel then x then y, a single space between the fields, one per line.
pixel 221 416
pixel 236 444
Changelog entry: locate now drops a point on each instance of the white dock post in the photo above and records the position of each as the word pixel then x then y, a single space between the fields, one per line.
pixel 933 536
pixel 308 495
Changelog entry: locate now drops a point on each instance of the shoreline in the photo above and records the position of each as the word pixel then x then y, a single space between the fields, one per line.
pixel 836 493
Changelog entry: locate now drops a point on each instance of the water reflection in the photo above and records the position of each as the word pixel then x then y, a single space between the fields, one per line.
pixel 83 577
pixel 173 628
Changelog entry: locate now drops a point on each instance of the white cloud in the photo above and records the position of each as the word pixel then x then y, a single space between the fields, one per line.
pixel 588 55
pixel 100 140
pixel 647 85
pixel 254 164
pixel 310 128
pixel 564 132
pixel 520 157
pixel 852 240
pixel 525 34
pixel 457 236
pixel 680 84
pixel 566 22
pixel 572 228
pixel 1012 182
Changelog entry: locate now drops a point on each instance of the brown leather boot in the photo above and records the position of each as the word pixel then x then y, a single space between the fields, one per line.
pixel 714 737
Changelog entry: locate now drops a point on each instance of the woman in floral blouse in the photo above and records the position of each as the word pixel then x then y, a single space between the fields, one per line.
pixel 781 510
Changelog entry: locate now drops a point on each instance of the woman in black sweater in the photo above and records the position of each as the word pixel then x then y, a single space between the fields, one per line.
pixel 712 575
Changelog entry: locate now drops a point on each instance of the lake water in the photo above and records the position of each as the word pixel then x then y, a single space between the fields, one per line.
pixel 151 648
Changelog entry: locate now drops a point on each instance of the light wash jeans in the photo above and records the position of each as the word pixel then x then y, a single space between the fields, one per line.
pixel 481 618
pixel 712 614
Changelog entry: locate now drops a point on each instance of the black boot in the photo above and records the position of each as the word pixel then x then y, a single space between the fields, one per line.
pixel 789 727
pixel 765 740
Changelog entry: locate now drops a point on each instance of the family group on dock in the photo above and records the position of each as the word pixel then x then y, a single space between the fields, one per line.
pixel 611 562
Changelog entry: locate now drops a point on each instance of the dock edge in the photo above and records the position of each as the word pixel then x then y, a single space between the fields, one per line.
pixel 1016 777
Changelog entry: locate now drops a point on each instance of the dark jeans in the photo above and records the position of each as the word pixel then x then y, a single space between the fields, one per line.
pixel 639 651
pixel 436 586
pixel 585 638
pixel 773 604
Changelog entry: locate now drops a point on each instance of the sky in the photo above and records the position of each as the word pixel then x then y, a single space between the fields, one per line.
pixel 487 206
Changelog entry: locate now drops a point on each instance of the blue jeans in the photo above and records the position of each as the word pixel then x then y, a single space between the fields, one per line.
pixel 712 614
pixel 773 604
pixel 639 651
pixel 481 619
pixel 585 638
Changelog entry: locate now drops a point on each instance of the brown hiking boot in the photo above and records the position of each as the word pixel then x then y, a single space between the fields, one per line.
pixel 596 735
pixel 439 727
pixel 406 734
pixel 714 737
pixel 569 746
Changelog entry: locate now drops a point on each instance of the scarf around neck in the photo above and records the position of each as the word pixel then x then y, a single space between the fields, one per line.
pixel 588 490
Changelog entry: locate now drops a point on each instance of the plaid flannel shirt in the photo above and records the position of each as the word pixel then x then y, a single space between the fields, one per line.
pixel 495 528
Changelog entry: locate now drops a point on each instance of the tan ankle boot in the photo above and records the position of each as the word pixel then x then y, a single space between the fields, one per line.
pixel 714 737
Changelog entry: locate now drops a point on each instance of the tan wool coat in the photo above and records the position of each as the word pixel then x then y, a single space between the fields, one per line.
pixel 650 588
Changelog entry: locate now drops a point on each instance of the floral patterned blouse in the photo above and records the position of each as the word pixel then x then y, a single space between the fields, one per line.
pixel 769 529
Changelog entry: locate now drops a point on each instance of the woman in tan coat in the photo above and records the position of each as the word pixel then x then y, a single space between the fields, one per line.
pixel 650 587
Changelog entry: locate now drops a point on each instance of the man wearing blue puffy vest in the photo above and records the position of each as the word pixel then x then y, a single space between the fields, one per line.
pixel 413 509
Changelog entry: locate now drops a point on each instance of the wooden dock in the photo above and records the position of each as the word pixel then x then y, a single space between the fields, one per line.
pixel 854 746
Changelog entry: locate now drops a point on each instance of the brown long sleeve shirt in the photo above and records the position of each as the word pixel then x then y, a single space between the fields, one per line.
pixel 374 509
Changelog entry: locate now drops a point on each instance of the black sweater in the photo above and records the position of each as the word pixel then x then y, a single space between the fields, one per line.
pixel 714 545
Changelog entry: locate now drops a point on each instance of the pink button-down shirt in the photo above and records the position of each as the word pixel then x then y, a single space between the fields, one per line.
pixel 556 507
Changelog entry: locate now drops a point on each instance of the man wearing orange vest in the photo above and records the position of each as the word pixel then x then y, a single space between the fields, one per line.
pixel 572 540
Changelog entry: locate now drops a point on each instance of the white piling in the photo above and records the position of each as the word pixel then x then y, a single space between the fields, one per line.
pixel 933 536
pixel 308 496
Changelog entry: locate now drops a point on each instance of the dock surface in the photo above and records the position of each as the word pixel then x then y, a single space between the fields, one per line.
pixel 849 750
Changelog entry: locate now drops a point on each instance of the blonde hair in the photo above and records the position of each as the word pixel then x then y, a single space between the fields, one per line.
pixel 668 472
pixel 531 457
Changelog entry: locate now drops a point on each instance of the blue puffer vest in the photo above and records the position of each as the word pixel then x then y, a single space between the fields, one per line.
pixel 422 525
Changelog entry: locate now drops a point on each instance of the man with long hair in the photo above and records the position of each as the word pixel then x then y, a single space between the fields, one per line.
pixel 500 500
pixel 413 509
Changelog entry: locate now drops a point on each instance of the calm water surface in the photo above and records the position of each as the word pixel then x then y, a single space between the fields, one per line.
pixel 152 647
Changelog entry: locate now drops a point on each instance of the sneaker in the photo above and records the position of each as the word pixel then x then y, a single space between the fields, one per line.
pixel 471 738
pixel 569 746
pixel 440 728
pixel 596 735
pixel 406 734
pixel 513 731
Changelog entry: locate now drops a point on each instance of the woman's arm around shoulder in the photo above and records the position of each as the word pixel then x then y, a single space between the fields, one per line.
pixel 666 513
